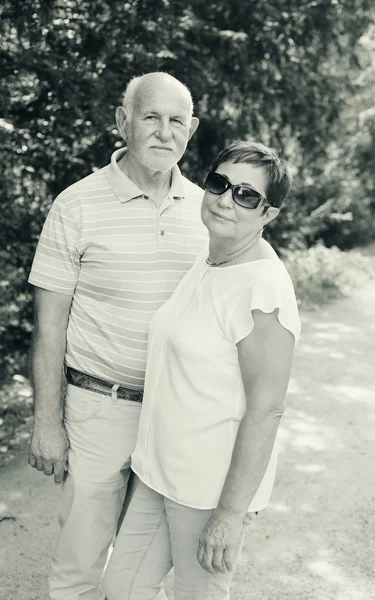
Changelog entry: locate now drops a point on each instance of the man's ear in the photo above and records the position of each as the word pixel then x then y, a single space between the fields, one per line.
pixel 121 121
pixel 193 126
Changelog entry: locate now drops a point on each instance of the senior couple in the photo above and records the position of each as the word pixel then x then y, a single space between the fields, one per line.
pixel 124 270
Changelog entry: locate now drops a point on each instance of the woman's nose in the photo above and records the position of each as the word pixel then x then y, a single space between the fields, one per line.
pixel 225 200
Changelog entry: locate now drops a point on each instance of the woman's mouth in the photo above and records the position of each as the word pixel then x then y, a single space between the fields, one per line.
pixel 220 216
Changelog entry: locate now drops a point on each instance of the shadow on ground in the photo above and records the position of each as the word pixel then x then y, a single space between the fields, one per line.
pixel 314 541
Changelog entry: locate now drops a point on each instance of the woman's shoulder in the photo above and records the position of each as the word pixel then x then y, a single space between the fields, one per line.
pixel 247 273
pixel 267 264
pixel 269 275
pixel 267 288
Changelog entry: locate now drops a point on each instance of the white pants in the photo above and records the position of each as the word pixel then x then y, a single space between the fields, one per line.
pixel 155 534
pixel 102 433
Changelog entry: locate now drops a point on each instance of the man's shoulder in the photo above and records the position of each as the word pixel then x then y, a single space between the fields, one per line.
pixel 84 188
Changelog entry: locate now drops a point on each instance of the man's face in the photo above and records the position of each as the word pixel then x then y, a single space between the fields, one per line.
pixel 159 127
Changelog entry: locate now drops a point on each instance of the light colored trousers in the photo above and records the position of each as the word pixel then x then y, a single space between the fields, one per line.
pixel 102 434
pixel 155 535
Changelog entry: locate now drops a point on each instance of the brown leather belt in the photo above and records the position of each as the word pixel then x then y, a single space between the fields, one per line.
pixel 88 382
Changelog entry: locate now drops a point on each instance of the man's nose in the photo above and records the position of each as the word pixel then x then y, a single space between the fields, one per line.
pixel 164 130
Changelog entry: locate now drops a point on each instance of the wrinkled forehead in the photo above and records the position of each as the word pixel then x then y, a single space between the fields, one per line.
pixel 163 97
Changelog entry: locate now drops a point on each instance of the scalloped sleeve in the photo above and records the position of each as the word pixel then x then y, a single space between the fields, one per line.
pixel 266 293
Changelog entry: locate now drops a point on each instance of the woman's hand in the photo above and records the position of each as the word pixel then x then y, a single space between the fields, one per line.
pixel 219 540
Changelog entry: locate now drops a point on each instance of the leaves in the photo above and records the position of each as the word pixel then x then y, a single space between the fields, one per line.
pixel 292 74
pixel 15 412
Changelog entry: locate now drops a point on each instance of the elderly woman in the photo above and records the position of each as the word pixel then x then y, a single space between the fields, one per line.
pixel 219 359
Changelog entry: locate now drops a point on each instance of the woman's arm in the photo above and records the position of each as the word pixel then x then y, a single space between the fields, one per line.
pixel 265 358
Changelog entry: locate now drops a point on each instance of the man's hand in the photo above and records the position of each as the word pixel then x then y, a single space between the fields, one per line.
pixel 49 450
pixel 219 540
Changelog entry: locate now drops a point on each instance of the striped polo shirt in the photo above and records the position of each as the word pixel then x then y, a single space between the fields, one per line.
pixel 106 243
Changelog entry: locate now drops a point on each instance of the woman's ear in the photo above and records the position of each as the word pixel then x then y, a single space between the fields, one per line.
pixel 270 214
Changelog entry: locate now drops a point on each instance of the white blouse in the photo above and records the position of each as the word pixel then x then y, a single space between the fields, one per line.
pixel 194 397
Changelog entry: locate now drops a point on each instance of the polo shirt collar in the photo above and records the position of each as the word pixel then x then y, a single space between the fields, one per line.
pixel 125 189
pixel 177 189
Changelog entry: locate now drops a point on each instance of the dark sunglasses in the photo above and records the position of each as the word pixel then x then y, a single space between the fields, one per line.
pixel 243 195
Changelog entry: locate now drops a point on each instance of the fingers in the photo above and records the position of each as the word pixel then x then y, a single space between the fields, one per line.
pixel 200 552
pixel 210 559
pixel 32 460
pixel 228 559
pixel 59 471
pixel 207 560
pixel 215 560
pixel 41 465
pixel 218 561
pixel 47 468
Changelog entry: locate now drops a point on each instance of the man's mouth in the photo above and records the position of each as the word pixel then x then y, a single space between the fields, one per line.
pixel 162 148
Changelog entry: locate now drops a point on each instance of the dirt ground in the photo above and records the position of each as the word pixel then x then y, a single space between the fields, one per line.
pixel 316 541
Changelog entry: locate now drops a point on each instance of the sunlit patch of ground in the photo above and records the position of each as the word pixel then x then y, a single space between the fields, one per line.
pixel 315 540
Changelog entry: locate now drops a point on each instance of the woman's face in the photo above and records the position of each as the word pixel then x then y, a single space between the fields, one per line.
pixel 223 217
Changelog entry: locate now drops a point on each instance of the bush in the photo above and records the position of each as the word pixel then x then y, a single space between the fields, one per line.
pixel 297 76
pixel 321 274
pixel 15 414
pixel 15 320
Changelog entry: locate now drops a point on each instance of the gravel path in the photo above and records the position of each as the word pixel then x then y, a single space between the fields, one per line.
pixel 316 540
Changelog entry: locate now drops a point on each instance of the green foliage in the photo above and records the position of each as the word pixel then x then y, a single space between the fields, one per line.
pixel 321 274
pixel 15 319
pixel 293 74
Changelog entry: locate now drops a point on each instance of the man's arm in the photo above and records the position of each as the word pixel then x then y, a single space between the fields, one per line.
pixel 49 443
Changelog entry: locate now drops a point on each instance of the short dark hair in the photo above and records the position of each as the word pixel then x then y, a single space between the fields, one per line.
pixel 278 171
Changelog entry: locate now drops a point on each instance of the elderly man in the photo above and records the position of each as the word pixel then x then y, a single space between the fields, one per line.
pixel 113 248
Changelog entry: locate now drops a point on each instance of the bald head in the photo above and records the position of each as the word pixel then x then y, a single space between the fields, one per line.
pixel 145 85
